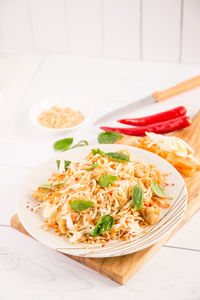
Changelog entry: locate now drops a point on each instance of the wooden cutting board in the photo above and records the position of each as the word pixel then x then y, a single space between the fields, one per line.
pixel 120 269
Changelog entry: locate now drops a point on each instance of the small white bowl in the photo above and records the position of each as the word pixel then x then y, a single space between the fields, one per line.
pixel 75 102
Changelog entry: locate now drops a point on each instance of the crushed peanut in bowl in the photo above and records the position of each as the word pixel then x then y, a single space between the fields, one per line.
pixel 57 117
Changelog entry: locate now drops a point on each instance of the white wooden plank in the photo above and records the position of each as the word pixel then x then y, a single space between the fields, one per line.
pixel 191 32
pixel 85 27
pixel 118 68
pixel 186 237
pixel 161 30
pixel 35 271
pixel 121 28
pixel 49 25
pixel 15 30
pixel 8 201
pixel 170 274
pixel 16 73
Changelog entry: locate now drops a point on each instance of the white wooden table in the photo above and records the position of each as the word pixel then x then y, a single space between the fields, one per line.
pixel 31 270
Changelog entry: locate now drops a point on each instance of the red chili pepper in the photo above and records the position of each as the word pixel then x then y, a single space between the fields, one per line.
pixel 157 118
pixel 163 127
pixel 76 179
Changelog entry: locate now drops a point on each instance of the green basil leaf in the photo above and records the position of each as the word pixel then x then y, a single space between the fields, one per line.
pixel 109 137
pixel 106 179
pixel 94 166
pixel 67 163
pixel 63 145
pixel 80 144
pixel 105 223
pixel 80 205
pixel 137 196
pixel 53 184
pixel 121 157
pixel 97 151
pixel 156 188
pixel 58 164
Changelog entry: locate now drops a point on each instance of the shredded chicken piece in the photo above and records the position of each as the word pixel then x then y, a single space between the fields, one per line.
pixel 151 214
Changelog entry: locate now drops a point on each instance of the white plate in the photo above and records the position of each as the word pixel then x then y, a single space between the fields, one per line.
pixel 168 221
pixel 74 101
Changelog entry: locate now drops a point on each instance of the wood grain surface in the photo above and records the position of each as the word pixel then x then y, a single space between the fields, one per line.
pixel 121 268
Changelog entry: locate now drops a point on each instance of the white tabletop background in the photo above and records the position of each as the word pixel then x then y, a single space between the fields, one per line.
pixel 29 270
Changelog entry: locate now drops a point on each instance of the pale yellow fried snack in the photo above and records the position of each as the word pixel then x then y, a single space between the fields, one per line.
pixel 185 165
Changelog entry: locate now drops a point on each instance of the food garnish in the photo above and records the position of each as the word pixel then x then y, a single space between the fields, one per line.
pixel 117 156
pixel 106 180
pixel 121 157
pixel 52 184
pixel 94 166
pixel 98 151
pixel 137 197
pixel 157 189
pixel 104 224
pixel 80 144
pixel 157 118
pixel 162 127
pixel 58 164
pixel 109 137
pixel 80 205
pixel 64 144
pixel 66 164
pixel 57 117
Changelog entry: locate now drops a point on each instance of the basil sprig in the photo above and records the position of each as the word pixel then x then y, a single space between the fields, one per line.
pixel 94 166
pixel 121 157
pixel 98 151
pixel 53 184
pixel 157 189
pixel 64 144
pixel 109 137
pixel 117 156
pixel 105 223
pixel 106 179
pixel 58 164
pixel 80 205
pixel 66 164
pixel 80 144
pixel 137 197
